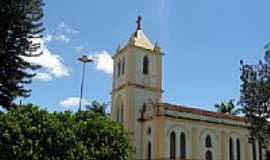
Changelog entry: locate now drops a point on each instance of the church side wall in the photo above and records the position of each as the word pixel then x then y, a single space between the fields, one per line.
pixel 196 132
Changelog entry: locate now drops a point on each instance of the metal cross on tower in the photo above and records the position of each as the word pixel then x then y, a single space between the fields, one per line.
pixel 139 19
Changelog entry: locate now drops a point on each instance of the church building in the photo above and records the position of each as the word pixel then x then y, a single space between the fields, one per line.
pixel 161 130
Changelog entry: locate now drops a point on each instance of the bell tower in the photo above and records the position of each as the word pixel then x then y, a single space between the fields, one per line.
pixel 137 82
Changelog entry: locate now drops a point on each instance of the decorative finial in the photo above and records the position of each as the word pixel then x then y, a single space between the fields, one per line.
pixel 139 19
pixel 118 49
pixel 157 48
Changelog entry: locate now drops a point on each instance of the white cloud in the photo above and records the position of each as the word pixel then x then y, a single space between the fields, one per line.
pixel 103 61
pixel 71 102
pixel 79 48
pixel 51 63
pixel 48 38
pixel 61 38
pixel 65 28
pixel 56 37
pixel 43 76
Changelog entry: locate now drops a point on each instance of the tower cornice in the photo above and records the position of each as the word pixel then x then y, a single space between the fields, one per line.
pixel 130 84
pixel 119 51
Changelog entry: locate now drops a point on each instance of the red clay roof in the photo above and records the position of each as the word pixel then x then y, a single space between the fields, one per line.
pixel 198 111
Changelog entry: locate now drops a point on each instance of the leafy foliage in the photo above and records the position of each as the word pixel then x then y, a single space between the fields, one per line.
pixel 32 133
pixel 255 97
pixel 20 27
pixel 228 107
pixel 97 107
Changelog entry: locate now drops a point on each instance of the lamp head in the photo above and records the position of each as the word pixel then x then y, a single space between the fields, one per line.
pixel 85 59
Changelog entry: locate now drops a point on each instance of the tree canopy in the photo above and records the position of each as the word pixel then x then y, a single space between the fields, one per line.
pixel 97 107
pixel 255 97
pixel 29 132
pixel 228 107
pixel 20 27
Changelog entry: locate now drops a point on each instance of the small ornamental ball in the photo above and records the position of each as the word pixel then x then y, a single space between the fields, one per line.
pixel 241 62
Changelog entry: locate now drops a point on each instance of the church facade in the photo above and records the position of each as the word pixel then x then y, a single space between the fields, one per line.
pixel 167 131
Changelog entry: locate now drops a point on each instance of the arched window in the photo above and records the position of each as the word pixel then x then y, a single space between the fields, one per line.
pixel 145 65
pixel 231 150
pixel 172 145
pixel 122 113
pixel 208 142
pixel 254 150
pixel 118 114
pixel 119 68
pixel 238 149
pixel 123 65
pixel 208 155
pixel 182 146
pixel 149 151
pixel 119 105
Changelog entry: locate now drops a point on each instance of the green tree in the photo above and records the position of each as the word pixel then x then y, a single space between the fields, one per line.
pixel 228 107
pixel 255 97
pixel 20 26
pixel 31 133
pixel 105 138
pixel 97 107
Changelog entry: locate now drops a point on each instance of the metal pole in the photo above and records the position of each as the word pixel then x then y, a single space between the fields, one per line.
pixel 82 84
pixel 84 59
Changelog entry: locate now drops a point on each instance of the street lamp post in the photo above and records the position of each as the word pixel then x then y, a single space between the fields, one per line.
pixel 84 59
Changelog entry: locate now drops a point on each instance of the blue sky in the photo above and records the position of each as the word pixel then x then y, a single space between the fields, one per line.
pixel 203 40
